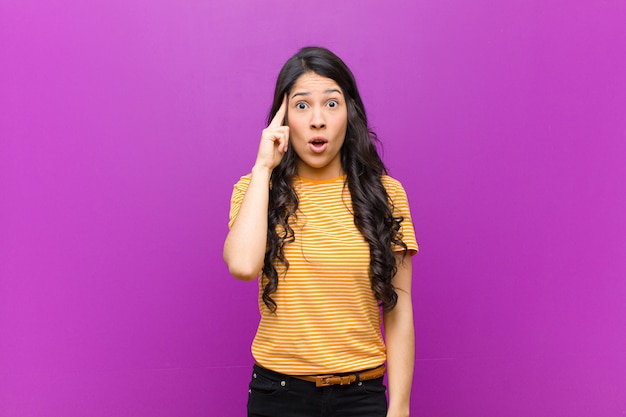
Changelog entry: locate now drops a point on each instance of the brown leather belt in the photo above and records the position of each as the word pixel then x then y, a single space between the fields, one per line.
pixel 347 379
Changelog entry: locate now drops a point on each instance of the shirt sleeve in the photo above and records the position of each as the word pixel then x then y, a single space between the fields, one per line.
pixel 400 203
pixel 239 190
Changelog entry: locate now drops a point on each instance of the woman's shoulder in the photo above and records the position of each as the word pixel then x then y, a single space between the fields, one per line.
pixel 390 183
pixel 243 181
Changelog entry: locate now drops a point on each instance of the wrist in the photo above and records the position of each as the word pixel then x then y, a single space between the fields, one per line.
pixel 261 171
pixel 399 410
pixel 394 412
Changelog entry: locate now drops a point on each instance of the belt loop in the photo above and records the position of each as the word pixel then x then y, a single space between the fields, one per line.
pixel 358 377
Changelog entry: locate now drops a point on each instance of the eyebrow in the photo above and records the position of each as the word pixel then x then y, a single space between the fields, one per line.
pixel 306 93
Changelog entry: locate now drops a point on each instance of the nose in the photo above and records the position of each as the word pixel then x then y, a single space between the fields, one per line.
pixel 317 119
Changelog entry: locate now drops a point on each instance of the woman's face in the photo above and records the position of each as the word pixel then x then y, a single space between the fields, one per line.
pixel 317 116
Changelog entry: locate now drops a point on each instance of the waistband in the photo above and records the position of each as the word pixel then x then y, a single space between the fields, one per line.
pixel 346 378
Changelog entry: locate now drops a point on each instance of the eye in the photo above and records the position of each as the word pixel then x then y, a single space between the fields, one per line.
pixel 301 106
pixel 332 104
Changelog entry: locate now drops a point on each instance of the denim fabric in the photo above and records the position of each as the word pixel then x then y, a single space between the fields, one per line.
pixel 273 394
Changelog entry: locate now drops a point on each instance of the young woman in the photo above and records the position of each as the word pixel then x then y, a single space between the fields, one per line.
pixel 329 234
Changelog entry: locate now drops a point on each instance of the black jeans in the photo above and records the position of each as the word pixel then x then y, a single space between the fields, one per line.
pixel 276 395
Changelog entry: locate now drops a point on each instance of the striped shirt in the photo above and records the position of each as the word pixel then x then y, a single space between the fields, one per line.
pixel 327 319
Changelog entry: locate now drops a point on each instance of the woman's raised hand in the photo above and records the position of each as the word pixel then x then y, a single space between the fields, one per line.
pixel 274 140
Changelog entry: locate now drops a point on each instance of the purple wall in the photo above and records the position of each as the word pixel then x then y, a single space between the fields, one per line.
pixel 124 124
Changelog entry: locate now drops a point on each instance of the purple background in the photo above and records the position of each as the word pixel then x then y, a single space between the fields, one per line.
pixel 124 125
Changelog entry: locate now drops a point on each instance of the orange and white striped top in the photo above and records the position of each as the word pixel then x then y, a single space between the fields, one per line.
pixel 327 319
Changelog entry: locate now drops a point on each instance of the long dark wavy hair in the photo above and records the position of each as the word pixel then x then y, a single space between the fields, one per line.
pixel 360 161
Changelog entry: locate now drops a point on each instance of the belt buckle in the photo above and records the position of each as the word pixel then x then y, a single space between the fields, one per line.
pixel 323 380
pixel 328 380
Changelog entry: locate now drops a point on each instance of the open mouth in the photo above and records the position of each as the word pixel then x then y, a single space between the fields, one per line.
pixel 318 144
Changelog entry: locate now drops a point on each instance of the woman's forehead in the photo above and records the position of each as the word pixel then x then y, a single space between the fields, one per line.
pixel 312 83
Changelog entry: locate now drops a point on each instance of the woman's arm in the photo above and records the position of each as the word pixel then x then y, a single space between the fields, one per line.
pixel 244 248
pixel 400 340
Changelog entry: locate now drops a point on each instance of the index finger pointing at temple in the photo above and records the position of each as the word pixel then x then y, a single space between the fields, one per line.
pixel 278 119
